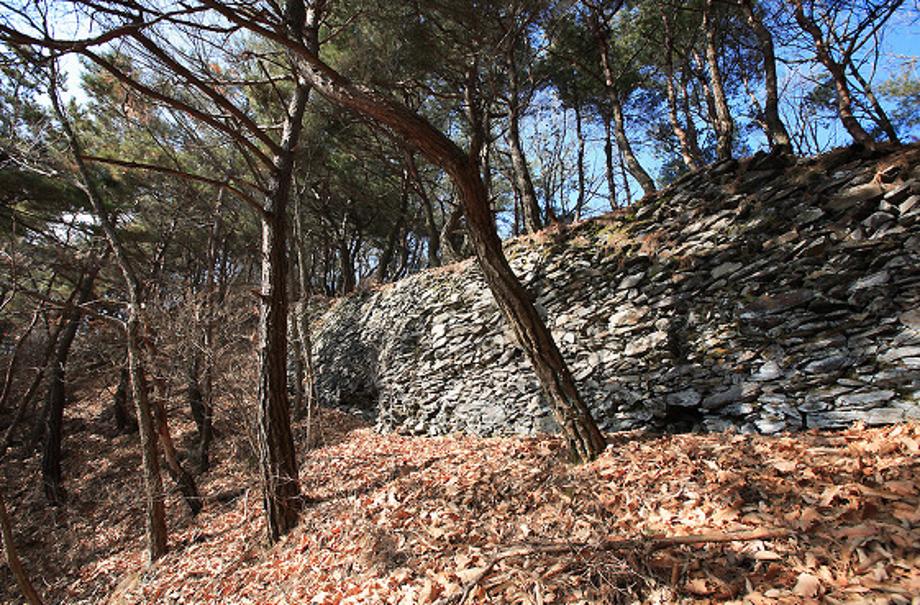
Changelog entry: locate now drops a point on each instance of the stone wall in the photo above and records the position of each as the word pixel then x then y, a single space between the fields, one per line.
pixel 765 297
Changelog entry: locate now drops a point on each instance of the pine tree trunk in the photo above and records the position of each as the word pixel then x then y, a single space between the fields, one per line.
pixel 580 161
pixel 434 234
pixel 124 421
pixel 573 416
pixel 280 487
pixel 177 472
pixel 155 498
pixel 725 125
pixel 608 162
pixel 57 391
pixel 26 400
pixel 838 75
pixel 691 161
pixel 619 124
pixel 629 157
pixel 777 134
pixel 529 205
pixel 12 558
pixel 153 487
pixel 7 387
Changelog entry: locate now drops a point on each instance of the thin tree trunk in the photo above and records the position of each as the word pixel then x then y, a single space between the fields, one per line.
pixel 619 125
pixel 347 281
pixel 212 298
pixel 776 131
pixel 177 473
pixel 608 162
pixel 519 167
pixel 57 390
pixel 7 387
pixel 693 139
pixel 838 75
pixel 154 497
pixel 630 161
pixel 306 387
pixel 453 249
pixel 725 125
pixel 124 422
pixel 691 161
pixel 26 400
pixel 12 558
pixel 580 200
pixel 625 178
pixel 395 233
pixel 434 234
pixel 881 117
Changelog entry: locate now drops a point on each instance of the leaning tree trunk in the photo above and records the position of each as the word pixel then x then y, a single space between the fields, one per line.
pixel 724 124
pixel 881 117
pixel 777 134
pixel 626 151
pixel 529 205
pixel 691 161
pixel 182 478
pixel 838 75
pixel 12 558
pixel 57 390
pixel 155 509
pixel 516 304
pixel 601 33
pixel 513 300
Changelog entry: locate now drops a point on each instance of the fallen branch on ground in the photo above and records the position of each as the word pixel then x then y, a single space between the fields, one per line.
pixel 649 544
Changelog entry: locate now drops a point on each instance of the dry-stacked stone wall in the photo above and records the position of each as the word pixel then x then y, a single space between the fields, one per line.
pixel 758 296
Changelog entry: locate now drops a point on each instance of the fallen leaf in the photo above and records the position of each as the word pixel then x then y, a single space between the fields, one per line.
pixel 807 585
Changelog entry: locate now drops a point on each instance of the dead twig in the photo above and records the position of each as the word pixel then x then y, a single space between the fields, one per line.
pixel 649 544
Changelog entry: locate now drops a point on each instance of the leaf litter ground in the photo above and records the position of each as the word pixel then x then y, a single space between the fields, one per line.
pixel 393 519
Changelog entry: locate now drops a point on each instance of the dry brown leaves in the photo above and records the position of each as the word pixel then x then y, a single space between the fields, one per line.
pixel 404 520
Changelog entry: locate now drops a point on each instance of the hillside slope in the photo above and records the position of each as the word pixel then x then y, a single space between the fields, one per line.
pixel 406 520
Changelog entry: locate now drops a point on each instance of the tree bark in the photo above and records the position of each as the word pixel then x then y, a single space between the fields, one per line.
pixel 690 158
pixel 725 125
pixel 7 387
pixel 280 487
pixel 12 558
pixel 177 472
pixel 635 168
pixel 524 183
pixel 57 390
pixel 516 305
pixel 881 117
pixel 155 518
pixel 838 75
pixel 580 161
pixel 434 234
pixel 608 162
pixel 777 134
pixel 629 157
pixel 26 400
pixel 124 422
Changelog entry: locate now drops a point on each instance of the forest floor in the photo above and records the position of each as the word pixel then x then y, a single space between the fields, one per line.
pixel 393 519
